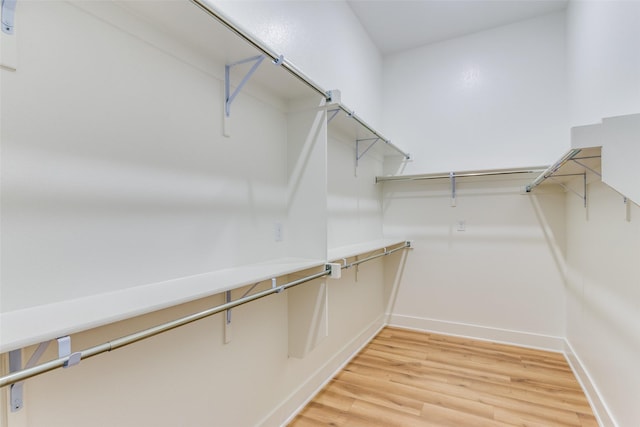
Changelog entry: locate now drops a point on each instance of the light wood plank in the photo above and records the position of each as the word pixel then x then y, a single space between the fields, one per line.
pixel 410 378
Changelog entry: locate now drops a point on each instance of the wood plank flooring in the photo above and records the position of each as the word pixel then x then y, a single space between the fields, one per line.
pixel 409 378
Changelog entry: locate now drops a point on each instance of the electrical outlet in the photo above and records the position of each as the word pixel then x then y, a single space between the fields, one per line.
pixel 462 225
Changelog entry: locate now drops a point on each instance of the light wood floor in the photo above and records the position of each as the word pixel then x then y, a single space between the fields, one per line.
pixel 407 378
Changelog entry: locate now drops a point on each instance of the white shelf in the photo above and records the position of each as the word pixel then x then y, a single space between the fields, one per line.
pixel 578 161
pixel 33 325
pixel 191 25
pixel 354 128
pixel 362 248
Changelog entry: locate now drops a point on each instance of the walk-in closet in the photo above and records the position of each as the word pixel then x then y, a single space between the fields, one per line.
pixel 222 213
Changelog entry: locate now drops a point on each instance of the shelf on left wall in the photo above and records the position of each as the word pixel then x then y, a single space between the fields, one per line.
pixel 21 328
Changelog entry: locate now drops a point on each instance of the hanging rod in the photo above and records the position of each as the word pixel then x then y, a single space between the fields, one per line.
pixel 553 168
pixel 283 62
pixel 24 374
pixel 406 245
pixel 464 174
pixel 385 253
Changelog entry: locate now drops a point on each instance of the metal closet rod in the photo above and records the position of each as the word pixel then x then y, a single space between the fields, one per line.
pixel 553 168
pixel 283 62
pixel 463 174
pixel 353 264
pixel 24 374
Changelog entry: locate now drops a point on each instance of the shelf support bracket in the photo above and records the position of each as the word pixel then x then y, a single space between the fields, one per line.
pixel 227 319
pixel 452 177
pixel 8 16
pixel 627 209
pixel 230 96
pixel 366 150
pixel 333 114
pixel 227 313
pixel 15 364
pixel 593 171
pixel 583 196
pixel 16 390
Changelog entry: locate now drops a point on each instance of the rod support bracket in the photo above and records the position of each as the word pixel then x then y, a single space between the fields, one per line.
pixel 64 350
pixel 16 391
pixel 279 60
pixel 274 285
pixel 8 16
pixel 452 177
pixel 335 268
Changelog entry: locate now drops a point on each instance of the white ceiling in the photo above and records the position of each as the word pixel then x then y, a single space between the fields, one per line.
pixel 396 25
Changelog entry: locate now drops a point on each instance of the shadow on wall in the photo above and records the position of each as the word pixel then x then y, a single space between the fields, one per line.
pixel 394 267
pixel 554 233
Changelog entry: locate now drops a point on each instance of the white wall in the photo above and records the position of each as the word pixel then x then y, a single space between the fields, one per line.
pixel 603 59
pixel 115 173
pixel 354 203
pixel 114 169
pixel 498 279
pixel 603 297
pixel 325 40
pixel 494 99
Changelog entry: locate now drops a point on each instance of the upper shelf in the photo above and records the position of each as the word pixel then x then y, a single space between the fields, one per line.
pixel 191 21
pixel 348 123
pixel 574 163
pixel 197 25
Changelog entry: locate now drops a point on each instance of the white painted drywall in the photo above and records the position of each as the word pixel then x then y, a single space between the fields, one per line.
pixel 603 59
pixel 603 297
pixel 325 40
pixel 354 205
pixel 498 279
pixel 115 173
pixel 603 292
pixel 494 99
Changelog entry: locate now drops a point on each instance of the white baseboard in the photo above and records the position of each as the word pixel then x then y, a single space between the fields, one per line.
pixel 297 400
pixel 600 409
pixel 505 336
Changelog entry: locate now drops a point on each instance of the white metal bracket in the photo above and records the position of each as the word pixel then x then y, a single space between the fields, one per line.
pixel 360 155
pixel 64 350
pixel 583 196
pixel 334 96
pixel 452 177
pixel 230 96
pixel 627 209
pixel 358 141
pixel 336 270
pixel 16 390
pixel 332 114
pixel 8 16
pixel 227 317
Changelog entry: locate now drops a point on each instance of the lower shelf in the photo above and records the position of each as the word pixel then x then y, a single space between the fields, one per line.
pixel 33 325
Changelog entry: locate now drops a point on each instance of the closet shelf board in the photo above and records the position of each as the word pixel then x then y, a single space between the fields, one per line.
pixel 21 328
